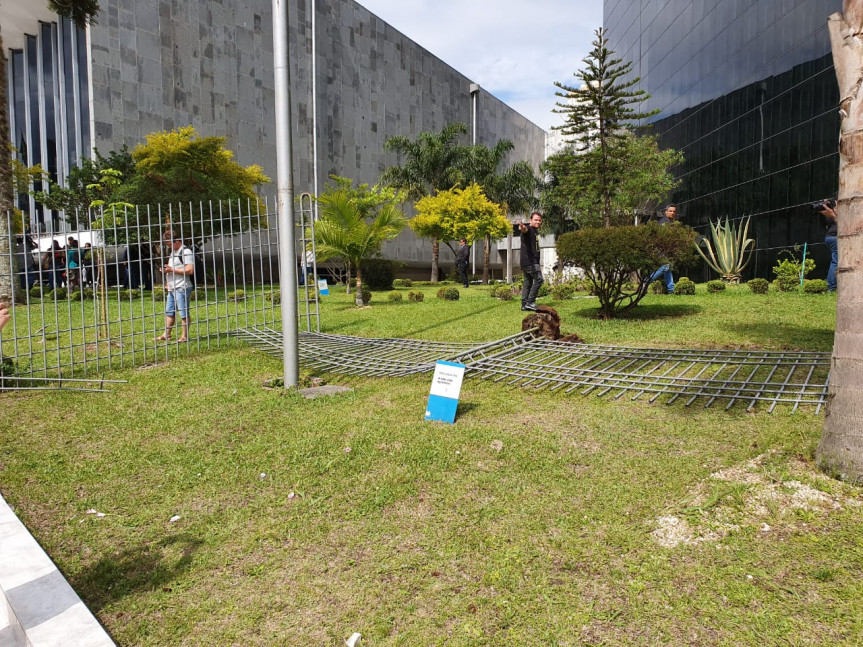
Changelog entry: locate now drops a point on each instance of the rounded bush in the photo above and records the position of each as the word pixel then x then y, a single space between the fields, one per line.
pixel 758 286
pixel 275 296
pixel 57 293
pixel 715 286
pixel 562 291
pixel 129 294
pixel 448 294
pixel 75 296
pixel 36 292
pixel 684 286
pixel 367 296
pixel 402 283
pixel 394 296
pixel 504 293
pixel 658 287
pixel 158 293
pixel 236 295
pixel 544 290
pixel 787 283
pixel 815 286
pixel 87 294
pixel 415 296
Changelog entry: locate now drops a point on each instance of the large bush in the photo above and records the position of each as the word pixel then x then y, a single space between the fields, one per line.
pixel 378 273
pixel 610 256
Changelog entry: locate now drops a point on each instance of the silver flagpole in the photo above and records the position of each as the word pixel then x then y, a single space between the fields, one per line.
pixel 285 195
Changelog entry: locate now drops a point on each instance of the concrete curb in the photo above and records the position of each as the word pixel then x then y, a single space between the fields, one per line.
pixel 39 608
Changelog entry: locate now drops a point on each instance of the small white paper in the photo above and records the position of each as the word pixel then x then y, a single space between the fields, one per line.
pixel 353 640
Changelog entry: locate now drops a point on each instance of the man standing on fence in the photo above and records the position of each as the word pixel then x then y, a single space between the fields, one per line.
pixel 177 273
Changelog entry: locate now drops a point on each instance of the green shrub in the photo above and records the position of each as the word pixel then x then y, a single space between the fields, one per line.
pixel 75 296
pixel 544 290
pixel 402 283
pixel 236 295
pixel 274 296
pixel 562 291
pixel 378 273
pixel 129 294
pixel 367 296
pixel 815 286
pixel 504 293
pixel 684 286
pixel 788 272
pixel 787 283
pixel 609 256
pixel 36 292
pixel 715 286
pixel 158 293
pixel 448 294
pixel 415 296
pixel 57 293
pixel 88 294
pixel 758 286
pixel 658 287
pixel 394 296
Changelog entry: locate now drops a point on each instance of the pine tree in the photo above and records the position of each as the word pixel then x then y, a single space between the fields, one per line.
pixel 600 112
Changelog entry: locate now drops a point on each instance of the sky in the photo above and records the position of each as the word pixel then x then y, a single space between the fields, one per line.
pixel 515 49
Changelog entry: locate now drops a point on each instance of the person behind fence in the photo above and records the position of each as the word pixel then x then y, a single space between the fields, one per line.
pixel 664 272
pixel 87 261
pixel 530 267
pixel 177 273
pixel 830 239
pixel 4 315
pixel 73 263
pixel 461 260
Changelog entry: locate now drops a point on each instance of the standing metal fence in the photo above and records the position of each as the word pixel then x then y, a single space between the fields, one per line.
pixel 92 299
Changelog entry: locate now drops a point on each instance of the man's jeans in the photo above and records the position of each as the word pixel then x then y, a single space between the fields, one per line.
pixel 667 276
pixel 834 262
pixel 532 276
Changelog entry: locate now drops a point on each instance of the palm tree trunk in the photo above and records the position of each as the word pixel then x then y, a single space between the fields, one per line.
pixel 435 254
pixel 486 258
pixel 7 247
pixel 358 297
pixel 840 451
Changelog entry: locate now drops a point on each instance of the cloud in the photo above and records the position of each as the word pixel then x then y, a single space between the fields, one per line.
pixel 515 51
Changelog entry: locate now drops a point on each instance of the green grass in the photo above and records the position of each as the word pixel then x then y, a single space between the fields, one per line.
pixel 528 522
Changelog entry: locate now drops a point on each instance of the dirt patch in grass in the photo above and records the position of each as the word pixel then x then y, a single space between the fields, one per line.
pixel 769 493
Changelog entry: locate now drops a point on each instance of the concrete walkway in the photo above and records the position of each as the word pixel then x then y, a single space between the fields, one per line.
pixel 38 608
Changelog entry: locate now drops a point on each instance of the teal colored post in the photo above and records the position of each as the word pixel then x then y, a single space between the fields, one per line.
pixel 803 267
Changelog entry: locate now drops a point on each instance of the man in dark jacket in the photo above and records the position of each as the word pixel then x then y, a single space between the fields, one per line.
pixel 664 272
pixel 530 266
pixel 461 260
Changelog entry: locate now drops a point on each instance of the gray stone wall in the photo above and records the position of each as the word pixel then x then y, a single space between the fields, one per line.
pixel 162 64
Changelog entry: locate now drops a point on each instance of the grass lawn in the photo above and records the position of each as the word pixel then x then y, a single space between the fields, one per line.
pixel 537 519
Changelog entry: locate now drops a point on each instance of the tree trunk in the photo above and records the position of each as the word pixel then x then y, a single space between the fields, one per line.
pixel 840 451
pixel 435 254
pixel 486 248
pixel 358 298
pixel 348 280
pixel 7 243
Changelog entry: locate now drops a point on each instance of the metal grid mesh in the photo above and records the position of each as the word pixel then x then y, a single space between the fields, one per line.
pixel 705 376
pixel 734 376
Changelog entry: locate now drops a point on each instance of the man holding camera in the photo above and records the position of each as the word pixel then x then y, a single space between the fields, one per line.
pixel 530 266
pixel 828 210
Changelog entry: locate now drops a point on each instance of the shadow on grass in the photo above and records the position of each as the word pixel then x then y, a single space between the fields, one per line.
pixel 791 337
pixel 647 312
pixel 143 568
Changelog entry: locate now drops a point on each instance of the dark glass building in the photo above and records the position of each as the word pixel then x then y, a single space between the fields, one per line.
pixel 747 91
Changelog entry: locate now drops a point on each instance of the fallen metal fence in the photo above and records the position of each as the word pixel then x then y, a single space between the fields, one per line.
pixel 733 377
pixel 88 300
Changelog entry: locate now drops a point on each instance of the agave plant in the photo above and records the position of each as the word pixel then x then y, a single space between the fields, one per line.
pixel 730 250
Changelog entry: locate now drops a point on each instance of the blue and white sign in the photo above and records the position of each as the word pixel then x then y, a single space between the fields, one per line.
pixel 323 288
pixel 445 390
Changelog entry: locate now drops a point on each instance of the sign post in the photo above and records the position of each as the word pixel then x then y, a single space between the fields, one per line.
pixel 445 390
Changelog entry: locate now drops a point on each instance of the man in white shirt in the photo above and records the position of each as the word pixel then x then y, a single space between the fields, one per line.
pixel 177 272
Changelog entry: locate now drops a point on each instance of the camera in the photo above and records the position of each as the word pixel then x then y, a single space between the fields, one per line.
pixel 819 205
